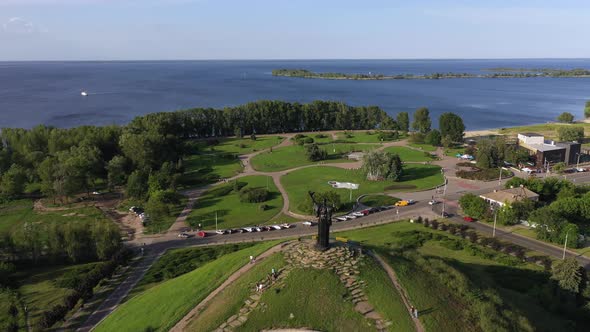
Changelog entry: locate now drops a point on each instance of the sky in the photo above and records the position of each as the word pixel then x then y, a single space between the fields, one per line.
pixel 292 29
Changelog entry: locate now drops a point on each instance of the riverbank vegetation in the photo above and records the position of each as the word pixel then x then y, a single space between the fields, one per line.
pixel 498 73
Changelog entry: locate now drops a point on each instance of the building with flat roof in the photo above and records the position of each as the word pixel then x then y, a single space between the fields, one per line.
pixel 549 151
pixel 509 196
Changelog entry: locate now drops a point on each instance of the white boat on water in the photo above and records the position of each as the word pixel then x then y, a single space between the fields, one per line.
pixel 84 93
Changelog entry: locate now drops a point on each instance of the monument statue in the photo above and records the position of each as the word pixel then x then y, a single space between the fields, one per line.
pixel 323 211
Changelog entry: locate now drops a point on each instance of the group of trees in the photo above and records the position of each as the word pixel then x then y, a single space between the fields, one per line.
pixel 563 209
pixel 451 128
pixel 587 109
pixel 566 117
pixel 72 242
pixel 493 153
pixel 381 165
pixel 315 153
pixel 568 133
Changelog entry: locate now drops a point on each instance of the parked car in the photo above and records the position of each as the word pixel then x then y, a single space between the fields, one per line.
pixel 286 225
pixel 580 169
pixel 433 202
pixel 341 218
pixel 249 229
pixel 401 203
pixel 468 219
pixel 183 235
pixel 411 201
pixel 351 216
pixel 202 234
pixel 308 223
pixel 358 214
pixel 277 227
pixel 258 229
pixel 221 231
pixel 386 207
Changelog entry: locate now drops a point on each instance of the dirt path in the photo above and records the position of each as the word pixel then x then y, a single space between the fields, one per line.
pixel 402 292
pixel 181 325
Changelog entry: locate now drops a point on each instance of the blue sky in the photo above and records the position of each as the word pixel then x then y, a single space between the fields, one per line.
pixel 292 29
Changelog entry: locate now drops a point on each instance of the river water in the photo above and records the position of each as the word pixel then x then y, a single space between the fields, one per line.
pixel 33 93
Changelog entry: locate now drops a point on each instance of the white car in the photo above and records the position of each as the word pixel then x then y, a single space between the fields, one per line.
pixel 249 229
pixel 432 202
pixel 580 169
pixel 277 227
pixel 258 229
pixel 307 223
pixel 341 218
pixel 221 231
pixel 183 235
pixel 358 214
pixel 350 216
pixel 286 225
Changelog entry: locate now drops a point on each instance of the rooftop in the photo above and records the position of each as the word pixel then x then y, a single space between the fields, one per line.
pixel 510 195
pixel 545 147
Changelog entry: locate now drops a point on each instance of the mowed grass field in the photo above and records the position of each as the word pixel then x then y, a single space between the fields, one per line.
pixel 294 156
pixel 16 213
pixel 207 168
pixel 549 130
pixel 407 154
pixel 231 212
pixel 231 299
pixel 423 147
pixel 246 145
pixel 312 299
pixel 299 182
pixel 161 307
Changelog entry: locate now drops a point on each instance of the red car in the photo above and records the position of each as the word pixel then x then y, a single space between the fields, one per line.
pixel 468 219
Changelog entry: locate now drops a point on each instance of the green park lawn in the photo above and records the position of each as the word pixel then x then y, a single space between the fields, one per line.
pixel 177 262
pixel 409 155
pixel 231 212
pixel 549 130
pixel 315 300
pixel 294 156
pixel 384 296
pixel 229 301
pixel 16 213
pixel 378 200
pixel 161 307
pixel 11 319
pixel 207 168
pixel 437 302
pixel 423 147
pixel 299 182
pixel 452 152
pixel 246 145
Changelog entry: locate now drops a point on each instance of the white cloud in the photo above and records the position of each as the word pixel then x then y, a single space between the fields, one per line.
pixel 20 26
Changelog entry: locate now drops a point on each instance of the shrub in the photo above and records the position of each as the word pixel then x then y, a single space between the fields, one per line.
pixel 388 135
pixel 314 153
pixel 321 136
pixel 263 207
pixel 254 195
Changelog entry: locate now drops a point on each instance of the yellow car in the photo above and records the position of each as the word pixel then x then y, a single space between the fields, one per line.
pixel 402 203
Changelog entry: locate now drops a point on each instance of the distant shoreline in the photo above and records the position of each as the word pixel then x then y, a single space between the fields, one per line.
pixel 498 73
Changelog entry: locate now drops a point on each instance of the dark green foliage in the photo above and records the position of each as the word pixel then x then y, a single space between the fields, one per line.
pixel 422 120
pixel 568 274
pixel 433 138
pixel 565 117
pixel 380 165
pixel 314 153
pixel 6 269
pixel 177 262
pixel 587 109
pixel 485 174
pixel 552 227
pixel 403 121
pixel 137 186
pixel 254 195
pixel 388 135
pixel 450 124
pixel 474 206
pixel 567 133
pixel 12 182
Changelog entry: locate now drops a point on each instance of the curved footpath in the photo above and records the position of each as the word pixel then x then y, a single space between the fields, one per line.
pixel 157 245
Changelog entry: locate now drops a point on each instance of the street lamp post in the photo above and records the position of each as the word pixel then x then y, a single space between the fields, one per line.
pixel 495 218
pixel 500 179
pixel 578 163
pixel 565 244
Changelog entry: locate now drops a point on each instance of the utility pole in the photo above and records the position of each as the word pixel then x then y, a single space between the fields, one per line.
pixel 495 218
pixel 565 244
pixel 500 180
